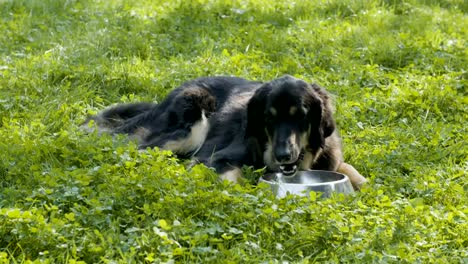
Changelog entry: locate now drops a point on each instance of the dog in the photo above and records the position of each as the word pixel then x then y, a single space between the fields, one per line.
pixel 283 125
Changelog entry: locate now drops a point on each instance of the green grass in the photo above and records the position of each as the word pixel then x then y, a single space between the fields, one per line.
pixel 397 70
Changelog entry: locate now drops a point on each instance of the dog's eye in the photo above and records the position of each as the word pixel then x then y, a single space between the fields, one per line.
pixel 300 114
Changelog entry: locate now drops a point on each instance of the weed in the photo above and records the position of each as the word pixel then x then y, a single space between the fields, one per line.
pixel 397 70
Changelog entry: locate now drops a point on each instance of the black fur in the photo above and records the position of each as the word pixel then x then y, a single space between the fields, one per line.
pixel 284 122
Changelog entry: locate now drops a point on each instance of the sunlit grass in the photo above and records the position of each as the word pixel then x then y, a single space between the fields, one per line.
pixel 397 71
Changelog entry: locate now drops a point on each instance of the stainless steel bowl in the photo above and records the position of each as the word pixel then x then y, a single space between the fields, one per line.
pixel 303 182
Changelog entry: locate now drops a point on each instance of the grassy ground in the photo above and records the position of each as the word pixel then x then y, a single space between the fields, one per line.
pixel 397 70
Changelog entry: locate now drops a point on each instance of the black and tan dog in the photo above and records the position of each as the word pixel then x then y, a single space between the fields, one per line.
pixel 227 122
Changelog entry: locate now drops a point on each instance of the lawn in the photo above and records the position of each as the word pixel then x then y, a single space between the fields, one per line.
pixel 398 74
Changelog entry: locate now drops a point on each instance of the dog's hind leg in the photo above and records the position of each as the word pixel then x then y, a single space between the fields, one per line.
pixel 184 125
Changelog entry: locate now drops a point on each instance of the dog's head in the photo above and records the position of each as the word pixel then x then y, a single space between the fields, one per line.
pixel 288 117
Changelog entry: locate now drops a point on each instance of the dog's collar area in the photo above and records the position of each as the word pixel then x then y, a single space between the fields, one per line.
pixel 301 156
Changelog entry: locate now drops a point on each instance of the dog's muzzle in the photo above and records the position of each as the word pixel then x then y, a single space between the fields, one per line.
pixel 291 168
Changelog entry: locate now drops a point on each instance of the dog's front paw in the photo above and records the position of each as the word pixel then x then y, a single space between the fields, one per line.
pixel 357 180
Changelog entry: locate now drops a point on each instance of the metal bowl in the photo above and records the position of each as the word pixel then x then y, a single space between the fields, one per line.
pixel 303 182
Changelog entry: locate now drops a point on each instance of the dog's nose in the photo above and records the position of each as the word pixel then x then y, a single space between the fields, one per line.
pixel 282 154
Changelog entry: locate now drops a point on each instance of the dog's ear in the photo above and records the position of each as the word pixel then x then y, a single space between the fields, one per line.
pixel 320 115
pixel 256 115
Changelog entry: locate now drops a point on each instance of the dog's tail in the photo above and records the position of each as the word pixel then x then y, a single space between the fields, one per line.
pixel 114 118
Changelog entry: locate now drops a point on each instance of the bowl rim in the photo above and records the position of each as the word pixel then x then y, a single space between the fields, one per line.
pixel 345 178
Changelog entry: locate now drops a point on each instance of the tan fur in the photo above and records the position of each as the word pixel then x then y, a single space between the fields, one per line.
pixel 140 134
pixel 292 110
pixel 268 158
pixel 273 111
pixel 357 180
pixel 234 175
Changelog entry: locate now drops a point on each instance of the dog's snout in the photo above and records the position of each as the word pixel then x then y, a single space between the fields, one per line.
pixel 282 154
pixel 284 144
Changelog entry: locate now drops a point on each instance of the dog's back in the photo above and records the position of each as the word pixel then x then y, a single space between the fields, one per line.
pixel 180 122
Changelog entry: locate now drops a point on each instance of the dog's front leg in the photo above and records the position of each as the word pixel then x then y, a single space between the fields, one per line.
pixel 233 175
pixel 357 180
